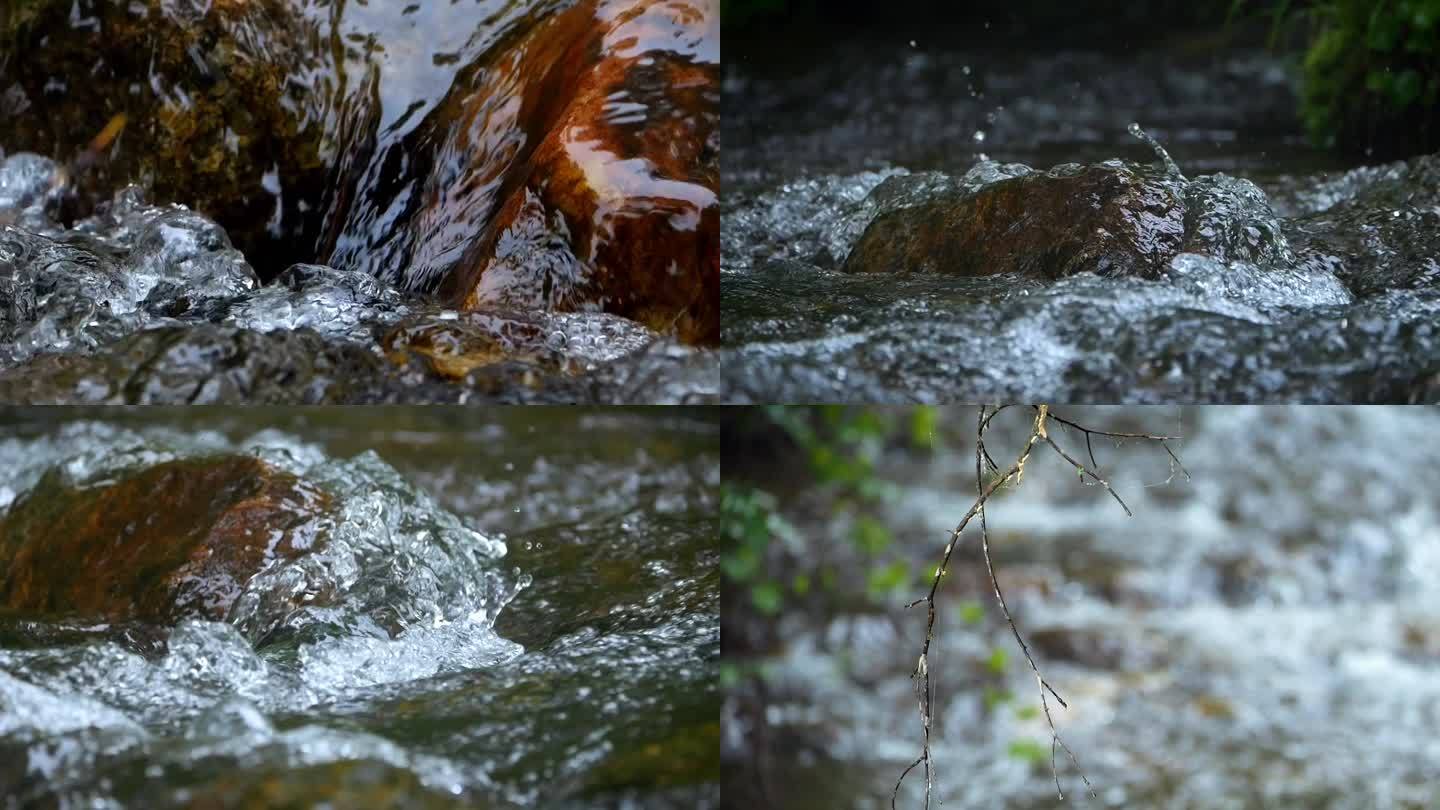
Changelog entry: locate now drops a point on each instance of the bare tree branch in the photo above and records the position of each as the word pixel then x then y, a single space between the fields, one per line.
pixel 983 464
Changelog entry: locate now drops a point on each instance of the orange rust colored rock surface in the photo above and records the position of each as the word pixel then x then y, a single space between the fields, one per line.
pixel 178 539
pixel 616 207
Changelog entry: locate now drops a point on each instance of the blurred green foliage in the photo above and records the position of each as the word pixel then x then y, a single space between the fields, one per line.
pixel 1027 750
pixel 749 522
pixel 842 446
pixel 777 569
pixel 1371 70
pixel 1372 75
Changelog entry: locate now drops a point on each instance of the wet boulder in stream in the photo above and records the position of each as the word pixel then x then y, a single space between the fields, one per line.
pixel 223 101
pixel 1113 218
pixel 159 543
pixel 618 206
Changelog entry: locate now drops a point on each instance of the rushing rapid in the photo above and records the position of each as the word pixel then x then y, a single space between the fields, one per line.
pixel 541 629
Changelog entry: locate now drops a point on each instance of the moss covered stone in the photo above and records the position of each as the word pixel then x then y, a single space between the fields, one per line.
pixel 222 102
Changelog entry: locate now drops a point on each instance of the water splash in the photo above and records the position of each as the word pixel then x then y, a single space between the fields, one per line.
pixel 1171 168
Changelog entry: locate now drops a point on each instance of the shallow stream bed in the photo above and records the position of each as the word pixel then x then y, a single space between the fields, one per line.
pixel 331 203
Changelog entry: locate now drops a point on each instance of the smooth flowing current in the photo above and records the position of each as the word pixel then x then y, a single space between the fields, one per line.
pixel 521 611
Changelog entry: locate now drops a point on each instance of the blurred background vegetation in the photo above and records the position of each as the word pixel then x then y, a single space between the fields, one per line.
pixel 1370 69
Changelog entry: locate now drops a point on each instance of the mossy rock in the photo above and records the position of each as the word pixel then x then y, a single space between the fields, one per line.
pixel 215 107
pixel 173 540
pixel 359 784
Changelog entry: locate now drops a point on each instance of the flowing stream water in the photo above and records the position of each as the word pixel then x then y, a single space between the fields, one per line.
pixel 1266 634
pixel 1346 316
pixel 528 617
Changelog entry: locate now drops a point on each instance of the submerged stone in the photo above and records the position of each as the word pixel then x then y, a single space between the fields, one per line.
pixel 178 365
pixel 452 347
pixel 1381 229
pixel 177 539
pixel 453 344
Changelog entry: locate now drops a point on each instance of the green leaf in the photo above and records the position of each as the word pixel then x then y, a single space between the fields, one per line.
pixel 1384 31
pixel 1027 712
pixel 1406 88
pixel 998 660
pixel 971 612
pixel 871 536
pixel 995 698
pixel 767 597
pixel 800 584
pixel 922 427
pixel 1029 751
pixel 741 565
pixel 888 579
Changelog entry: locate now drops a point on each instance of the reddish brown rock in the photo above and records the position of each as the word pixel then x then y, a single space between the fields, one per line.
pixel 616 207
pixel 1108 219
pixel 178 539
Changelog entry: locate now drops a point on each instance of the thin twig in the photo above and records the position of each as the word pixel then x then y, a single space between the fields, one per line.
pixel 983 464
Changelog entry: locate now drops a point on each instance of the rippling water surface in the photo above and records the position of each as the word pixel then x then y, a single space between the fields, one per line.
pixel 528 616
